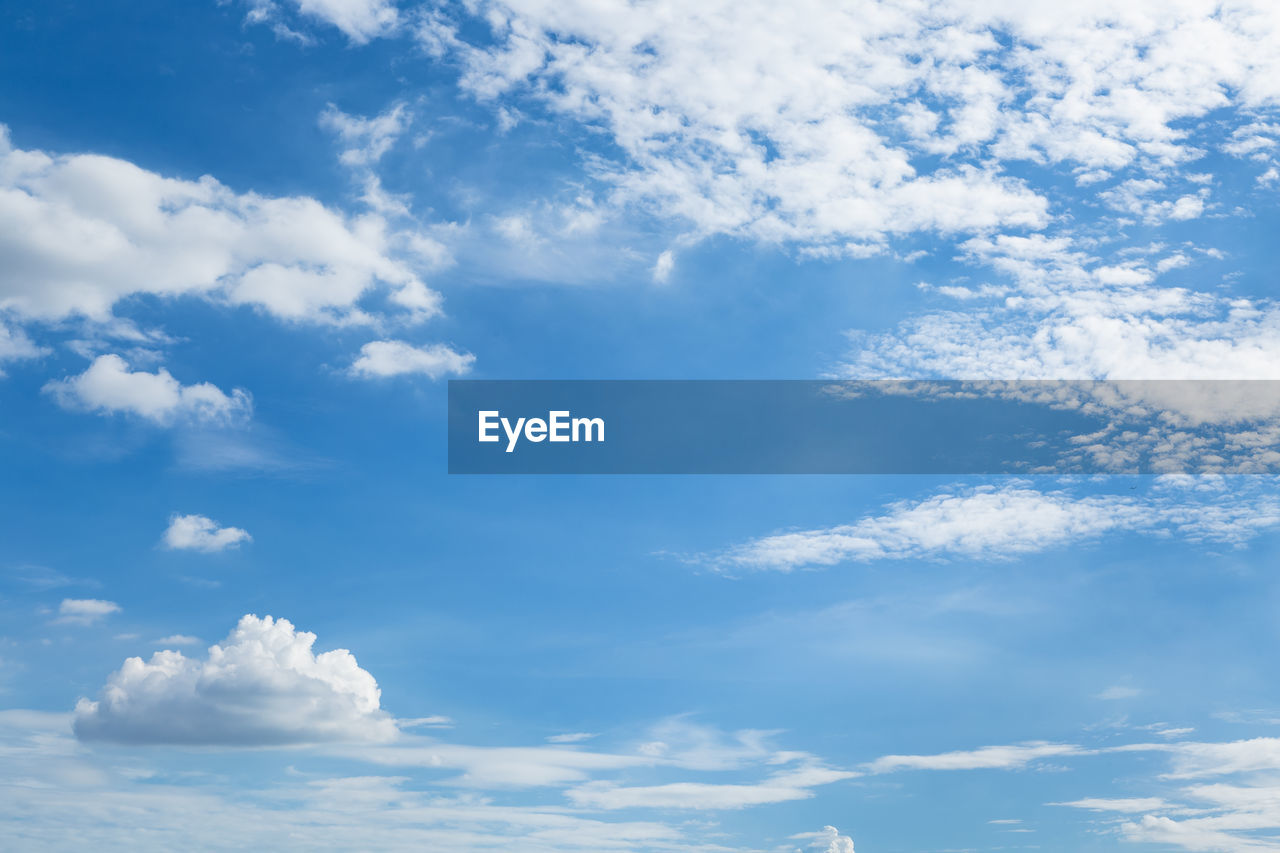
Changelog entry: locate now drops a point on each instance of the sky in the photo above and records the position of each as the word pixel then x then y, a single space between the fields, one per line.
pixel 244 244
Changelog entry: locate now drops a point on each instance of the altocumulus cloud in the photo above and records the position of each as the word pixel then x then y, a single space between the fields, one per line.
pixel 870 119
pixel 108 386
pixel 198 533
pixel 263 685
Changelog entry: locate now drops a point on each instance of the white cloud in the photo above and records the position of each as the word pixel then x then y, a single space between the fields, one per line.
pixel 986 758
pixel 368 138
pixel 197 533
pixel 15 345
pixel 85 611
pixel 663 266
pixel 178 640
pixel 67 796
pixel 1119 691
pixel 1060 324
pixel 359 20
pixel 394 358
pixel 869 119
pixel 1001 522
pixel 781 787
pixel 571 737
pixel 82 232
pixel 108 386
pixel 829 840
pixel 263 685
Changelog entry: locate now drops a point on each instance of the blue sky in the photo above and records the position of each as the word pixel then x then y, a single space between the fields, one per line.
pixel 244 244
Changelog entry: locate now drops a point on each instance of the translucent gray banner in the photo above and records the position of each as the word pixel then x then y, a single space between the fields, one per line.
pixel 863 427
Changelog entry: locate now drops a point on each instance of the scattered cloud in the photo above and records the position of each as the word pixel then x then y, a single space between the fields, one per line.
pixel 197 533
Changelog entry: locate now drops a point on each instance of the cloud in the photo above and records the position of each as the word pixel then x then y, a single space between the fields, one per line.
pixel 67 796
pixel 261 686
pixel 987 758
pixel 1002 522
pixel 871 119
pixel 368 138
pixel 108 386
pixel 829 840
pixel 663 266
pixel 82 232
pixel 178 640
pixel 360 20
pixel 572 737
pixel 395 358
pixel 1070 316
pixel 778 788
pixel 197 533
pixel 1119 691
pixel 85 611
pixel 16 346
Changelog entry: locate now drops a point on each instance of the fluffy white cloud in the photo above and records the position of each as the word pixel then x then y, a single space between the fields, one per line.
pixel 263 685
pixel 840 125
pixel 85 611
pixel 394 358
pixel 197 533
pixel 108 386
pixel 81 232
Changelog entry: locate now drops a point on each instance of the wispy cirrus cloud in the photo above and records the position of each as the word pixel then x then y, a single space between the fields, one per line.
pixel 1015 519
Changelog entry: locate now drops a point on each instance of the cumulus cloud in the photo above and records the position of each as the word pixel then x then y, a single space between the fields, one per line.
pixel 395 358
pixel 197 533
pixel 263 685
pixel 82 232
pixel 85 611
pixel 108 386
